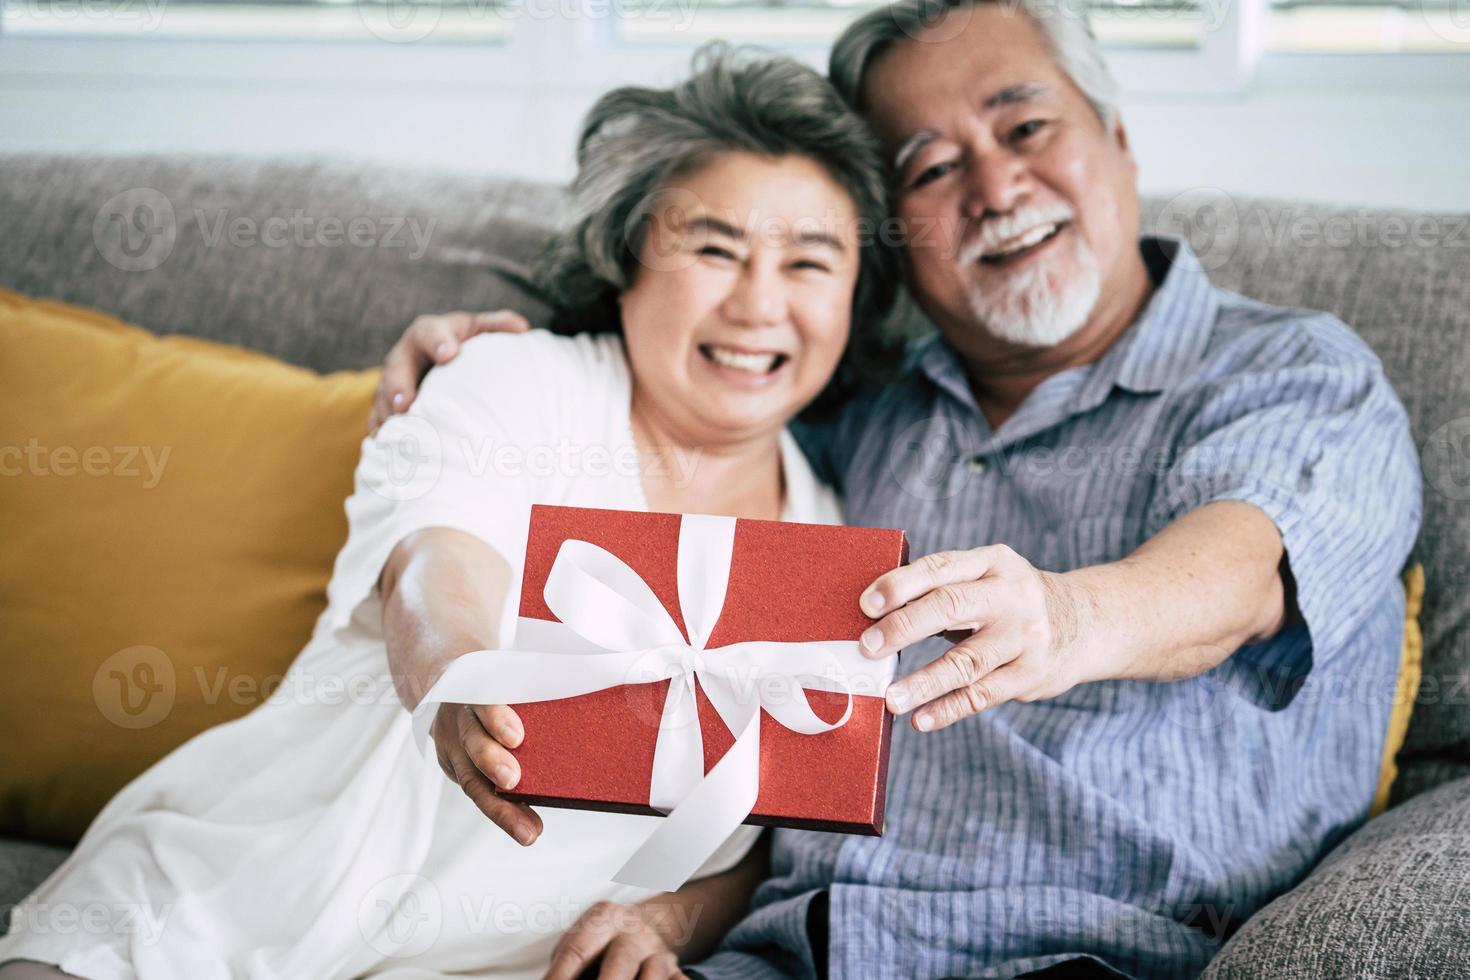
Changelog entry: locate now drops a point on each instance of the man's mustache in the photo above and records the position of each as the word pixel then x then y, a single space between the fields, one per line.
pixel 990 233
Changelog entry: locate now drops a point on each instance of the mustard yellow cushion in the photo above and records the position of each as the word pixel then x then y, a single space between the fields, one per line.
pixel 170 511
pixel 1411 668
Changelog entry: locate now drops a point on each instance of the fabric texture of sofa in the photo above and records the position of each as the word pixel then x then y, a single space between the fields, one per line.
pixel 244 252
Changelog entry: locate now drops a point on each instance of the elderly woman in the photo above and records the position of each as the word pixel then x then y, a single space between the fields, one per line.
pixel 708 289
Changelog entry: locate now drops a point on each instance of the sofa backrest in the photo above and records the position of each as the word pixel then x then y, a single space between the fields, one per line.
pixel 324 265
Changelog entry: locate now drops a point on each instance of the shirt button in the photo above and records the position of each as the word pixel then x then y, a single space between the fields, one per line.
pixel 975 464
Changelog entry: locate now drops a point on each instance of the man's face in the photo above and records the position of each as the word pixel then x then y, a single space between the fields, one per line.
pixel 1020 207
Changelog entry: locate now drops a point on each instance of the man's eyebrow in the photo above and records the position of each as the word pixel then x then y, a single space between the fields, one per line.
pixel 1013 94
pixel 911 146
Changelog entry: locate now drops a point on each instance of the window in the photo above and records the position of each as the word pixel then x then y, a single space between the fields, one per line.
pixel 367 20
pixel 1369 26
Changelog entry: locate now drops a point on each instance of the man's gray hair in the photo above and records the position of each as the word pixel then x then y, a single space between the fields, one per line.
pixel 1064 26
pixel 635 141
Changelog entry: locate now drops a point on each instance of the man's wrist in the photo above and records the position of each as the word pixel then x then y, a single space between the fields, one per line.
pixel 1094 644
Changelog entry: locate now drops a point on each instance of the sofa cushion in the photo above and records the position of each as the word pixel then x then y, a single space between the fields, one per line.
pixel 171 509
pixel 1391 901
pixel 23 865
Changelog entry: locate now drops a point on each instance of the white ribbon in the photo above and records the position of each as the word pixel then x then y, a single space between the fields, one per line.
pixel 614 631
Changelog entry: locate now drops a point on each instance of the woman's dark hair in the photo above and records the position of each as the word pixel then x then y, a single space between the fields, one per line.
pixel 636 141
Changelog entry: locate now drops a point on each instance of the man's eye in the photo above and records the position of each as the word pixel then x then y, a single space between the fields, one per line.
pixel 1027 129
pixel 812 264
pixel 717 252
pixel 931 174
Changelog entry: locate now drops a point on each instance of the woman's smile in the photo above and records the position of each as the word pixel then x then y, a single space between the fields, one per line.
pixel 744 367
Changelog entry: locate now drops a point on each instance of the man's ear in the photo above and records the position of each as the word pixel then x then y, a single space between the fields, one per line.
pixel 1120 134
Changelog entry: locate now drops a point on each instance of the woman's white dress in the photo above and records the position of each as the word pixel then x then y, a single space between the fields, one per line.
pixel 310 839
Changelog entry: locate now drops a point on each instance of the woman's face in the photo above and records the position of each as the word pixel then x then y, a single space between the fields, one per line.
pixel 742 301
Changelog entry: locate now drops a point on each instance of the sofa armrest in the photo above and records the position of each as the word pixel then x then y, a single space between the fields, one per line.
pixel 1393 900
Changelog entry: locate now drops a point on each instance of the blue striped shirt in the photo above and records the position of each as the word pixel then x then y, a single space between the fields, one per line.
pixel 1136 823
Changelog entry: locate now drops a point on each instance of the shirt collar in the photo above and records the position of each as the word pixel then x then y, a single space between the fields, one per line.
pixel 1171 335
pixel 1161 347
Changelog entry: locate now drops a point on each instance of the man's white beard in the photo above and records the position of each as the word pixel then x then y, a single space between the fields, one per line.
pixel 1028 309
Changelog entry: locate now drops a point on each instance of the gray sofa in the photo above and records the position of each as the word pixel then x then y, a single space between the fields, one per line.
pixel 1393 900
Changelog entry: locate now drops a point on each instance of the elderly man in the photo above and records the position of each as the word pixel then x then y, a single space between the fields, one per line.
pixel 1164 523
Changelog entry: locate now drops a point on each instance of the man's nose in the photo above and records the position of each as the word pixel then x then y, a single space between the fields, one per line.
pixel 757 297
pixel 998 182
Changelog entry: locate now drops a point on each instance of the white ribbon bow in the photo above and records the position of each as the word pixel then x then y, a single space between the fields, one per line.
pixel 614 631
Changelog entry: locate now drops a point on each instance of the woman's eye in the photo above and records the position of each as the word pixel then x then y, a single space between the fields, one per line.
pixel 717 252
pixel 812 264
pixel 1027 129
pixel 932 173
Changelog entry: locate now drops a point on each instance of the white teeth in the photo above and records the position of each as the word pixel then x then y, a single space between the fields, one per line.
pixel 1025 240
pixel 740 361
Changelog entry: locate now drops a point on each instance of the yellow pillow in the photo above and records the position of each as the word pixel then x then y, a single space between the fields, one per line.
pixel 170 511
pixel 1411 668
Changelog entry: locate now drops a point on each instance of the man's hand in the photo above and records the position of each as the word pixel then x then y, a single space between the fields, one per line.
pixel 431 340
pixel 1181 604
pixel 632 940
pixel 1019 629
pixel 478 762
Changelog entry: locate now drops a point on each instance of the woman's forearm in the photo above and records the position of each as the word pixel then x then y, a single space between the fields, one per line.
pixel 442 592
pixel 694 919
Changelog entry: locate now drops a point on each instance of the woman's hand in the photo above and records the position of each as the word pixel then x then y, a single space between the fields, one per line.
pixel 474 743
pixel 430 340
pixel 634 941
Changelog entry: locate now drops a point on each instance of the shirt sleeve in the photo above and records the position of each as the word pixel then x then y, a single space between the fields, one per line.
pixel 450 462
pixel 1309 430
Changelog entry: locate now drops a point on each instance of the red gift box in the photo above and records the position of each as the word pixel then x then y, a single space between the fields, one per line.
pixel 788 582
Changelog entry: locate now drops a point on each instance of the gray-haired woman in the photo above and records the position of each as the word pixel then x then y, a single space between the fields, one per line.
pixel 724 259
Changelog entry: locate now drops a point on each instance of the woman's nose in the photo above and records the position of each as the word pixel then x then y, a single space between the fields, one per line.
pixel 757 298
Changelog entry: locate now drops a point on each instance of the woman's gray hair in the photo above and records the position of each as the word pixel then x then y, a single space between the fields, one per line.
pixel 635 141
pixel 1064 26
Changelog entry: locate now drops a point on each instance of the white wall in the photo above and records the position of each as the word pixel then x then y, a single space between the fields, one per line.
pixel 1372 130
